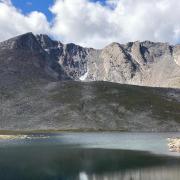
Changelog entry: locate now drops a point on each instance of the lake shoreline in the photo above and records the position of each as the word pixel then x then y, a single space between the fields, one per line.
pixel 52 131
pixel 157 143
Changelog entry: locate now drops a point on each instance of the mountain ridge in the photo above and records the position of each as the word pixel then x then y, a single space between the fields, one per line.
pixel 138 63
pixel 133 59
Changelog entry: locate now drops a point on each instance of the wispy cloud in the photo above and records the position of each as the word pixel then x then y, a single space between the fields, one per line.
pixel 29 3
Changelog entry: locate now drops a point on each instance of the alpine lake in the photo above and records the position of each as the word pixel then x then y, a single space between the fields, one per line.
pixel 89 156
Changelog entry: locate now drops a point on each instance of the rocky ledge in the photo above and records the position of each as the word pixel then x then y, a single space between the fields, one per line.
pixel 174 144
pixel 22 137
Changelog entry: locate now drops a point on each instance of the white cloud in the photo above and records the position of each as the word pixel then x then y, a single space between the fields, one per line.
pixel 92 24
pixel 83 22
pixel 13 22
pixel 6 2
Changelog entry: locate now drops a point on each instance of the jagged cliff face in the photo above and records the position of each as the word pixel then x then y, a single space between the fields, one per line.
pixel 71 57
pixel 141 63
pixel 138 63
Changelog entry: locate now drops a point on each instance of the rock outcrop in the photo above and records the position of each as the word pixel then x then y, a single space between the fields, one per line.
pixel 174 144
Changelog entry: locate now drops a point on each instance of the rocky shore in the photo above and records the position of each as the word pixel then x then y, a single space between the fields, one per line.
pixel 174 144
pixel 20 136
pixel 12 137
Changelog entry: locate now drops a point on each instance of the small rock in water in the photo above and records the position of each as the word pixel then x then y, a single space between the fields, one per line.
pixel 174 144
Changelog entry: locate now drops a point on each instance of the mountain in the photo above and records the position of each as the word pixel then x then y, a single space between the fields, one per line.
pixel 139 63
pixel 22 59
pixel 40 87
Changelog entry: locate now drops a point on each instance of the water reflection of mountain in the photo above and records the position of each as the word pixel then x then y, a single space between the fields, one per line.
pixel 62 163
pixel 158 173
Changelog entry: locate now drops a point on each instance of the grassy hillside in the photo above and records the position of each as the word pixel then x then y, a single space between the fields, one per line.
pixel 89 106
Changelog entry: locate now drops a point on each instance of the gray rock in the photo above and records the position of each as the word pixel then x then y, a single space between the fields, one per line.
pixel 138 63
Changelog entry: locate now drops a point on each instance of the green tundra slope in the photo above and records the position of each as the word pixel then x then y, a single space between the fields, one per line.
pixel 89 106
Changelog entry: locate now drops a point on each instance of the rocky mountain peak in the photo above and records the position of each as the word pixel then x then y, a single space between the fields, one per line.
pixel 26 42
pixel 46 42
pixel 113 45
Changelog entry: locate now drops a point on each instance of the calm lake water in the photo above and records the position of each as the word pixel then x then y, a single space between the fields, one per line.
pixel 90 156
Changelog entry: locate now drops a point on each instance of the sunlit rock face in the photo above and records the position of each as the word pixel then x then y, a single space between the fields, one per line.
pixel 176 54
pixel 140 63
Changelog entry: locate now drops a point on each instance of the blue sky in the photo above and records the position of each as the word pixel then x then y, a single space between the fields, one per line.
pixel 28 6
